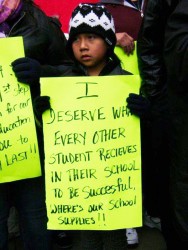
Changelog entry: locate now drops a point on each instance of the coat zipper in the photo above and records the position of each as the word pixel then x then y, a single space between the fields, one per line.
pixel 16 24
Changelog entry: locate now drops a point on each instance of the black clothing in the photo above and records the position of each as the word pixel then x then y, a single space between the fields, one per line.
pixel 112 68
pixel 150 46
pixel 176 55
pixel 42 37
pixel 152 68
pixel 43 40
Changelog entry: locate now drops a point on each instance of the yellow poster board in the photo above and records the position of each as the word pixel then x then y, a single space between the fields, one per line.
pixel 92 153
pixel 128 62
pixel 19 156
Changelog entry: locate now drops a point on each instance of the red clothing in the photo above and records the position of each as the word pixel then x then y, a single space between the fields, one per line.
pixel 126 19
pixel 61 8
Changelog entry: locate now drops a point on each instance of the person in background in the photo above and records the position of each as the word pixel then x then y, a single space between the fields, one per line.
pixel 45 42
pixel 91 46
pixel 150 46
pixel 128 16
pixel 176 61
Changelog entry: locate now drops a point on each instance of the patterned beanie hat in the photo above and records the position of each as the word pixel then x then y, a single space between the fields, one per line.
pixel 8 8
pixel 92 18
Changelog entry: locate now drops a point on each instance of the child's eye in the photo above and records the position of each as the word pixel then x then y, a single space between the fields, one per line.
pixel 75 39
pixel 91 36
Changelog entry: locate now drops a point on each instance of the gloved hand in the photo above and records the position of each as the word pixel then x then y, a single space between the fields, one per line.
pixel 41 104
pixel 138 105
pixel 27 70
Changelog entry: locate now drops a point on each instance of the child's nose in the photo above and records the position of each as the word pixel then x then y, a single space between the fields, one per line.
pixel 83 44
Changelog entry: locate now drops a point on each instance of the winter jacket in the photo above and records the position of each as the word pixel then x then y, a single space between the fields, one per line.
pixel 43 40
pixel 176 43
pixel 150 47
pixel 176 58
pixel 113 67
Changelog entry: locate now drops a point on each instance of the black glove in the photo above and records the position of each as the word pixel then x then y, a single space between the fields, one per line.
pixel 41 104
pixel 138 105
pixel 27 70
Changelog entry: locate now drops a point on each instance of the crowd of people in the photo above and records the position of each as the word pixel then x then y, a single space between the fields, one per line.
pixel 160 29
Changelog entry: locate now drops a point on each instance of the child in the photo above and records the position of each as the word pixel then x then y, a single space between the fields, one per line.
pixel 91 42
pixel 91 45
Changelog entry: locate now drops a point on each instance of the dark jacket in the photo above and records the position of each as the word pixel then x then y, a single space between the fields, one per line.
pixel 42 37
pixel 43 40
pixel 112 68
pixel 150 47
pixel 176 44
pixel 176 57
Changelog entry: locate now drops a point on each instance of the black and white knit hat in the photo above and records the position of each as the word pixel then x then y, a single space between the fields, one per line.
pixel 92 18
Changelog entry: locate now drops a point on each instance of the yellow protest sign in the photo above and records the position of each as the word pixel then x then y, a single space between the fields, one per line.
pixel 92 153
pixel 128 62
pixel 19 156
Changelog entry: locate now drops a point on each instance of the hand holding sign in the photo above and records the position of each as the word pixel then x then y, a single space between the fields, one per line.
pixel 138 105
pixel 41 104
pixel 27 70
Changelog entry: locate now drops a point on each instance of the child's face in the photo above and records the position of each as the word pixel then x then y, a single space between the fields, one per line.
pixel 90 50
